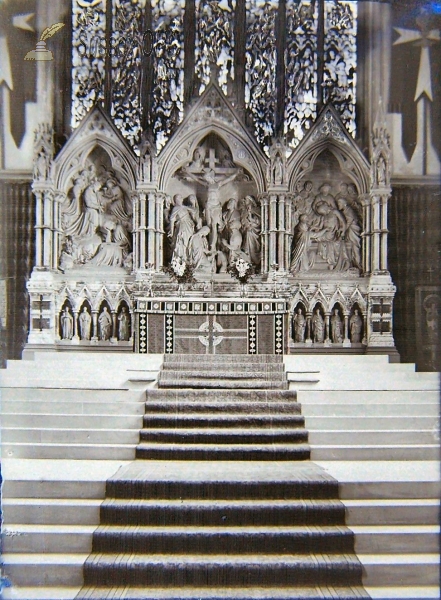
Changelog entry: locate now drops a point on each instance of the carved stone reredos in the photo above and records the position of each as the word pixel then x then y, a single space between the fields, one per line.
pixel 212 113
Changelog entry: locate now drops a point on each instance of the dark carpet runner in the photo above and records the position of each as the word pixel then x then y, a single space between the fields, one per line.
pixel 228 506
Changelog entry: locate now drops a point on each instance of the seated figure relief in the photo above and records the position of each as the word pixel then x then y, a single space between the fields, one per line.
pixel 326 230
pixel 96 219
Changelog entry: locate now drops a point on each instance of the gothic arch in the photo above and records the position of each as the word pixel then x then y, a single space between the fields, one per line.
pixel 95 131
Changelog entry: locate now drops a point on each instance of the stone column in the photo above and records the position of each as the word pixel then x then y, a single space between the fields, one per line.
pixel 114 335
pixel 376 234
pixel 288 232
pixel 327 329
pixel 308 339
pixel 273 229
pixel 47 229
pixel 159 231
pixel 281 233
pixel 94 326
pixel 366 235
pixel 56 232
pixel 39 230
pixel 132 325
pixel 346 340
pixel 75 337
pixel 136 232
pixel 384 234
pixel 151 230
pixel 265 232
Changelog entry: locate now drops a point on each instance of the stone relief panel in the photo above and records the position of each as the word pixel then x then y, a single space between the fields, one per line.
pixel 212 215
pixel 326 221
pixel 96 219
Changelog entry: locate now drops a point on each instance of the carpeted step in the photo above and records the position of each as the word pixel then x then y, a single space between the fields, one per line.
pixel 224 367
pixel 215 383
pixel 226 593
pixel 213 570
pixel 222 540
pixel 211 406
pixel 239 451
pixel 230 513
pixel 230 421
pixel 230 374
pixel 195 359
pixel 224 436
pixel 233 395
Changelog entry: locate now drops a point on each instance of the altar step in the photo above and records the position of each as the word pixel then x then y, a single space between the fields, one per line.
pixel 223 371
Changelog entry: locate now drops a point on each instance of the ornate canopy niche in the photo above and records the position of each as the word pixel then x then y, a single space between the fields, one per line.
pixel 312 223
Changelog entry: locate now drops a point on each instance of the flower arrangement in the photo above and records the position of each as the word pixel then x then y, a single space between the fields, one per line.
pixel 180 271
pixel 241 270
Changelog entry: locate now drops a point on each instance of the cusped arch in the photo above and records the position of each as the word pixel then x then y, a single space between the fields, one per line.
pixel 95 130
pixel 351 161
pixel 179 151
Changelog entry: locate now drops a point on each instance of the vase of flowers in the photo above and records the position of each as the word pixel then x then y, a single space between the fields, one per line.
pixel 241 270
pixel 181 272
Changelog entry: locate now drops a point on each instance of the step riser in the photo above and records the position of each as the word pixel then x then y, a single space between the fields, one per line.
pixel 225 367
pixel 402 543
pixel 224 438
pixel 53 515
pixel 194 359
pixel 183 453
pixel 222 384
pixel 354 438
pixel 73 436
pixel 215 516
pixel 47 543
pixel 28 421
pixel 221 406
pixel 75 408
pixel 232 395
pixel 375 453
pixel 54 489
pixel 230 575
pixel 392 515
pixel 390 575
pixel 68 452
pixel 370 423
pixel 33 575
pixel 222 543
pixel 377 410
pixel 177 422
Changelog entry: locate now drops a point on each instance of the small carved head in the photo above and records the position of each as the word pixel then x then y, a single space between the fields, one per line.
pixel 178 199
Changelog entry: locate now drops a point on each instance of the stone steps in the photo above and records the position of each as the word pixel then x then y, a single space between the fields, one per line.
pixel 222 451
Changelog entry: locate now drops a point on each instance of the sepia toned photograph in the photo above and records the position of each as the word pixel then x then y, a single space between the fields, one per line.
pixel 220 295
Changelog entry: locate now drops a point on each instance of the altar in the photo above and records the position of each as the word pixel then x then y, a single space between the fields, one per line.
pixel 210 326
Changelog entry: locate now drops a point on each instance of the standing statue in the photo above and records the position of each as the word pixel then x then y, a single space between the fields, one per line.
pixel 352 231
pixel 355 326
pixel 300 261
pixel 181 228
pixel 250 220
pixel 278 170
pixel 381 171
pixel 105 325
pixel 231 229
pixel 336 328
pixel 123 327
pixel 299 326
pixel 85 321
pixel 318 327
pixel 66 325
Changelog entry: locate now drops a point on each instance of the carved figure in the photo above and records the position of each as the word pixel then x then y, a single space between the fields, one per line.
pixel 381 171
pixel 66 256
pixel 251 224
pixel 181 228
pixel 299 326
pixel 198 251
pixel 231 230
pixel 105 324
pixel 197 164
pixel 355 327
pixel 336 328
pixel 352 231
pixel 85 321
pixel 278 170
pixel 324 197
pixel 41 167
pixel 299 258
pixel 318 327
pixel 328 232
pixel 66 324
pixel 123 326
